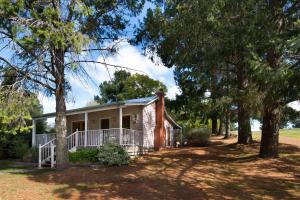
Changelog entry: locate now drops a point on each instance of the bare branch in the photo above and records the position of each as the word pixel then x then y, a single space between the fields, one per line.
pixel 27 75
pixel 103 63
pixel 95 49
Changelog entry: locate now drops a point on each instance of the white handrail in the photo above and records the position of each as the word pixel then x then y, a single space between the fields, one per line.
pixel 45 152
pixel 72 140
pixel 94 138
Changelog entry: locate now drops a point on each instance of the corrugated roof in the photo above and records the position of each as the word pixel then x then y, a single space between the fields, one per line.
pixel 144 100
pixel 129 102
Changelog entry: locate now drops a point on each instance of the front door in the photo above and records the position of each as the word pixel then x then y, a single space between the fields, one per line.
pixel 80 125
pixel 126 122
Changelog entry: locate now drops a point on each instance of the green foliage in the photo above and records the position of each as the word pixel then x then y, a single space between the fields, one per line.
pixel 84 156
pixel 197 136
pixel 18 148
pixel 289 115
pixel 32 155
pixel 126 86
pixel 17 105
pixel 14 112
pixel 113 154
pixel 244 53
pixel 45 41
pixel 14 146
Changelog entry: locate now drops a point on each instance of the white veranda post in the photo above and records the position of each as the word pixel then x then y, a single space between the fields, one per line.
pixel 120 123
pixel 33 139
pixel 85 128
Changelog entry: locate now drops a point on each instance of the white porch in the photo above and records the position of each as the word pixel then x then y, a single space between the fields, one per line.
pixel 132 140
pixel 94 128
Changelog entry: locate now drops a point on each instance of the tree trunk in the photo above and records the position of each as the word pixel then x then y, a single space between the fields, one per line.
pixel 214 125
pixel 244 127
pixel 270 131
pixel 221 127
pixel 227 124
pixel 62 159
pixel 214 119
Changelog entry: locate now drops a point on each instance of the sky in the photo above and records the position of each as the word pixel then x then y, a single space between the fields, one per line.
pixel 128 56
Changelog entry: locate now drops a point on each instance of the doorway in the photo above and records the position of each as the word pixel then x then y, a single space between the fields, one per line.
pixel 104 124
pixel 78 125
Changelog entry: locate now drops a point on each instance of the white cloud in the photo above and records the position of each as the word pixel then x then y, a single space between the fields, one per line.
pixel 127 56
pixel 295 105
pixel 130 56
pixel 47 102
pixel 172 91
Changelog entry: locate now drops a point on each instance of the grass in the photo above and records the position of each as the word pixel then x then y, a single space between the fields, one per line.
pixel 292 133
pixel 11 167
pixel 220 171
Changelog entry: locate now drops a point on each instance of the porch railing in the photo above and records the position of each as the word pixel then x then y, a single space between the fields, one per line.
pixel 93 138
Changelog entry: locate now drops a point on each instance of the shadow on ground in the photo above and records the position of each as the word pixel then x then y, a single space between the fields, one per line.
pixel 220 171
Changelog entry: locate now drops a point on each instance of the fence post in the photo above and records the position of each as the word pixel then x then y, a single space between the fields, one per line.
pixel 85 128
pixel 40 156
pixel 120 125
pixel 76 138
pixel 52 155
pixel 133 142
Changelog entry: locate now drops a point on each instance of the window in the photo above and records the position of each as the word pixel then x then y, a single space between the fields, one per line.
pixel 80 125
pixel 126 121
pixel 104 124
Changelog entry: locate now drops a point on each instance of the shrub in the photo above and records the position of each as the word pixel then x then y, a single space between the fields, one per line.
pixel 198 136
pixel 18 148
pixel 32 155
pixel 84 156
pixel 113 154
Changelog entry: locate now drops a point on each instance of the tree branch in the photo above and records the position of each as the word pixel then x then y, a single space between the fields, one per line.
pixel 27 75
pixel 103 63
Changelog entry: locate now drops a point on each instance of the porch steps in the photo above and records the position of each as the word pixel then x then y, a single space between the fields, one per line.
pixel 130 139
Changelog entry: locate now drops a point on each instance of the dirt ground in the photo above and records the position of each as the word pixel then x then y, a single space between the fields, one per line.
pixel 223 170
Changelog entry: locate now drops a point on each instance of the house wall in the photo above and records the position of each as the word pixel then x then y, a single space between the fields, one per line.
pixel 113 115
pixel 168 124
pixel 149 123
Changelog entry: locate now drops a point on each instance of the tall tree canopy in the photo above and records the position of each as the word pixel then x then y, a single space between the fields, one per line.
pixel 246 51
pixel 44 40
pixel 128 86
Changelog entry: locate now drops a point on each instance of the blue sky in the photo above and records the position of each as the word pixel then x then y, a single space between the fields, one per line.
pixel 128 56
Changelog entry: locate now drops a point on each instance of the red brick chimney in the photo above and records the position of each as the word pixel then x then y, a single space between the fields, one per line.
pixel 159 133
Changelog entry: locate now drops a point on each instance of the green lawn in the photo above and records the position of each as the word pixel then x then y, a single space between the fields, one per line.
pixel 293 133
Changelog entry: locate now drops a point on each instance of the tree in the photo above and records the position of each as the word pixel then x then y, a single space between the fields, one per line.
pixel 198 38
pixel 290 116
pixel 17 106
pixel 275 64
pixel 127 86
pixel 45 40
pixel 259 40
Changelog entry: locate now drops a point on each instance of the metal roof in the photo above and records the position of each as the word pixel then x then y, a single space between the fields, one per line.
pixel 111 105
pixel 172 121
pixel 143 101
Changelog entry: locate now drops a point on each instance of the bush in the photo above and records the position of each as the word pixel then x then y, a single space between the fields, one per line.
pixel 32 155
pixel 84 156
pixel 113 154
pixel 18 148
pixel 198 136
